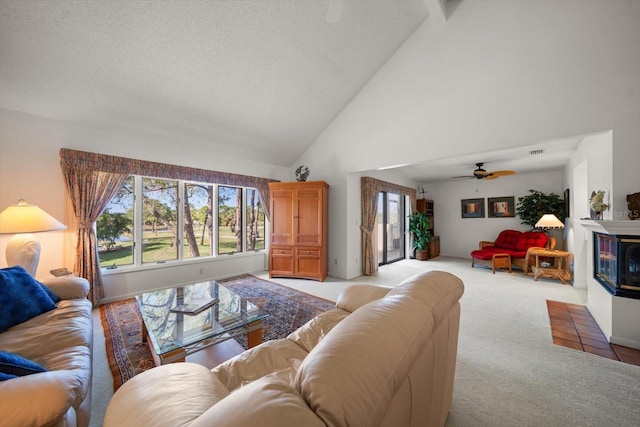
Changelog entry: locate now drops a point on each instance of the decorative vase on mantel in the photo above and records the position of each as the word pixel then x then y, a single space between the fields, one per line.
pixel 596 202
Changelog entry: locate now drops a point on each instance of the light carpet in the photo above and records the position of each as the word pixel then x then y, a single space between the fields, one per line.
pixel 287 309
pixel 509 372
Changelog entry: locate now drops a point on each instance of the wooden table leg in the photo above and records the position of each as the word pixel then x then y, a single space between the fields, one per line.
pixel 254 337
pixel 145 333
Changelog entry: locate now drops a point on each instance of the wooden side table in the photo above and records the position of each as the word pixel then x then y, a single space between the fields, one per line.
pixel 560 269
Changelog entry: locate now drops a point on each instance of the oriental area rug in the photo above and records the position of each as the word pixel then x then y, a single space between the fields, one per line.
pixel 287 308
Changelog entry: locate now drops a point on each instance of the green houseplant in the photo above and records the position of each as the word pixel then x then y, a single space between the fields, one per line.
pixel 419 228
pixel 531 207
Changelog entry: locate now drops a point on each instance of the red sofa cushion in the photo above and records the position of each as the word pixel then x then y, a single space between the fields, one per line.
pixel 530 239
pixel 498 250
pixel 508 239
pixel 514 243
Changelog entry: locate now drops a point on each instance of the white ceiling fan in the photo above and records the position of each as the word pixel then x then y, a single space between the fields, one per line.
pixel 481 173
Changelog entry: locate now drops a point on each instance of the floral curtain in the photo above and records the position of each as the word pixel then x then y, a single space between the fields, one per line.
pixel 90 192
pixel 92 179
pixel 369 189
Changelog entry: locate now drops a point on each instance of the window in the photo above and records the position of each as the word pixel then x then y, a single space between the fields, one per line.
pixel 198 229
pixel 229 220
pixel 390 229
pixel 115 227
pixel 254 221
pixel 160 220
pixel 173 220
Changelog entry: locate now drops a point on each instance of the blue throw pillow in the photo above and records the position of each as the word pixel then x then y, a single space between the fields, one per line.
pixel 17 366
pixel 4 377
pixel 21 297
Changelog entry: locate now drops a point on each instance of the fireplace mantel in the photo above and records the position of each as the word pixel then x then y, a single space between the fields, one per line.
pixel 617 316
pixel 612 227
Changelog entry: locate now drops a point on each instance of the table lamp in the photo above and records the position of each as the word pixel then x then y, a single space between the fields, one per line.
pixel 549 222
pixel 23 219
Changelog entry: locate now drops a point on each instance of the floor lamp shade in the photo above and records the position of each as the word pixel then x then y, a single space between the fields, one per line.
pixel 549 221
pixel 22 220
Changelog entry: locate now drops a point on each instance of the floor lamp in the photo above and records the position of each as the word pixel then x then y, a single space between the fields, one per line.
pixel 23 219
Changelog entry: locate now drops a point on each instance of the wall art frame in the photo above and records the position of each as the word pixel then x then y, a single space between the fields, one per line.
pixel 472 208
pixel 501 207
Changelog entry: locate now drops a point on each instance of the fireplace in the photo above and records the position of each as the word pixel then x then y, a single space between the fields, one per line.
pixel 617 264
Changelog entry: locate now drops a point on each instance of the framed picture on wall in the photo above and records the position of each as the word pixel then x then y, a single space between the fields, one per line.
pixel 472 208
pixel 501 207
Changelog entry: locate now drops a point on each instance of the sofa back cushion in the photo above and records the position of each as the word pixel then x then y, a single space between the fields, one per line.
pixel 352 375
pixel 531 239
pixel 518 241
pixel 508 239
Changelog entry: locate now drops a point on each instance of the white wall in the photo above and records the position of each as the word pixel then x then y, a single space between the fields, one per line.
pixel 459 236
pixel 499 75
pixel 30 169
pixel 588 170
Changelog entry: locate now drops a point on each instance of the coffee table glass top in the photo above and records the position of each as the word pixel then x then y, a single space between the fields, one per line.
pixel 169 331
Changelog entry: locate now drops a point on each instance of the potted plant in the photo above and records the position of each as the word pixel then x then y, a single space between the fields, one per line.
pixel 419 228
pixel 531 207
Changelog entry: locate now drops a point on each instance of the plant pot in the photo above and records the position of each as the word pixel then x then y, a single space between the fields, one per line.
pixel 422 255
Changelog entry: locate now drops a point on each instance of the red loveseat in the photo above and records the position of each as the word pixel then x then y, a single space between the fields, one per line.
pixel 513 243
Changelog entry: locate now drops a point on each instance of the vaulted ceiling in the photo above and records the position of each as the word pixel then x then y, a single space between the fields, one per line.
pixel 261 79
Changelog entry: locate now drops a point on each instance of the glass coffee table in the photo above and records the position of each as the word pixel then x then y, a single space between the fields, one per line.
pixel 172 335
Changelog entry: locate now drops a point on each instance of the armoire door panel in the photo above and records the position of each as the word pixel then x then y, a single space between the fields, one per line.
pixel 308 262
pixel 282 217
pixel 281 261
pixel 309 217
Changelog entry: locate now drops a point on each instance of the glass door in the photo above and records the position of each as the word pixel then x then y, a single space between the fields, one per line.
pixel 390 228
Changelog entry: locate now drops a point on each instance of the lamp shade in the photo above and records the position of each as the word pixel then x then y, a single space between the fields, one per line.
pixel 27 218
pixel 549 221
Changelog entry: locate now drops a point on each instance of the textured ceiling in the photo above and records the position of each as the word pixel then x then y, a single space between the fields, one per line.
pixel 260 79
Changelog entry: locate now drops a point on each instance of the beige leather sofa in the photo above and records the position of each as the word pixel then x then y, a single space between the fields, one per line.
pixel 61 341
pixel 381 358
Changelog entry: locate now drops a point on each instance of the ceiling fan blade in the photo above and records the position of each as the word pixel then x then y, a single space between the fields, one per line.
pixel 463 177
pixel 503 173
pixel 491 176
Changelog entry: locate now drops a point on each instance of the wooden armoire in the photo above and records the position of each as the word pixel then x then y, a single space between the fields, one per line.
pixel 299 233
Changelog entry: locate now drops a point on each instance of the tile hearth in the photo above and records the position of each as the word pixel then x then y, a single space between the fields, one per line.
pixel 573 326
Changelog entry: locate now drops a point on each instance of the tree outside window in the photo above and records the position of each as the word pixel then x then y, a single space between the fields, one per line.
pixel 255 221
pixel 229 220
pixel 114 228
pixel 160 226
pixel 167 228
pixel 198 220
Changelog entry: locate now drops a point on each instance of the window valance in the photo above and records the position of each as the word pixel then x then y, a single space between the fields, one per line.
pixel 87 161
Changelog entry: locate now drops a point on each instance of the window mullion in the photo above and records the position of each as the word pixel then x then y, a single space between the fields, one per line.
pixel 138 219
pixel 180 219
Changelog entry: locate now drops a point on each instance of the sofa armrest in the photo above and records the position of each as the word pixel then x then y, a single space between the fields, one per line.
pixel 68 287
pixel 169 395
pixel 355 296
pixel 38 399
pixel 484 243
